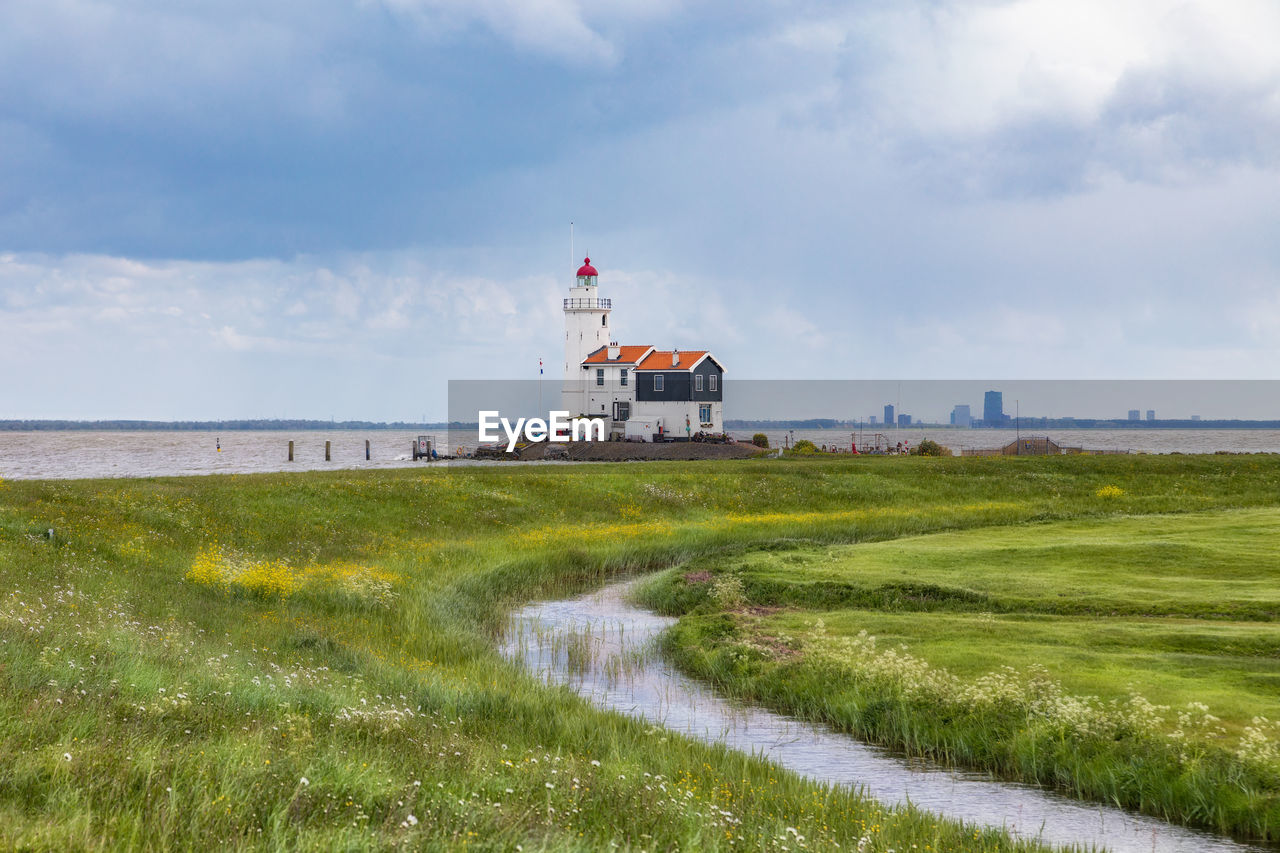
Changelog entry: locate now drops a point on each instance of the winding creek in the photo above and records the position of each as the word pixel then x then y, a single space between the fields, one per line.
pixel 621 673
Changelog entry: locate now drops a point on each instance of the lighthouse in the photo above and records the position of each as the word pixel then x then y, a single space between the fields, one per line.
pixel 586 329
pixel 640 392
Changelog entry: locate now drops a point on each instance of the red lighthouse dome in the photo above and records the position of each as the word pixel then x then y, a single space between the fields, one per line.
pixel 586 268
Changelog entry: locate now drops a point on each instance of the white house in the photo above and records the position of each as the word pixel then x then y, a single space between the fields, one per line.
pixel 641 391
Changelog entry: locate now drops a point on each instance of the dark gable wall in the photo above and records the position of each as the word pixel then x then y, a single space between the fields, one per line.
pixel 707 368
pixel 678 384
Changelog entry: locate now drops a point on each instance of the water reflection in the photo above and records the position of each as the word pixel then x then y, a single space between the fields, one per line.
pixel 603 648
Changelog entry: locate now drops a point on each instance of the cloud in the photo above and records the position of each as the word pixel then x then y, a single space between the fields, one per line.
pixel 102 333
pixel 137 128
pixel 1039 97
pixel 228 338
pixel 556 28
pixel 1260 317
pixel 327 197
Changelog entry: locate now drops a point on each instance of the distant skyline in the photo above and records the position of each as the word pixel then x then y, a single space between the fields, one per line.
pixel 328 209
pixel 933 400
pixel 929 400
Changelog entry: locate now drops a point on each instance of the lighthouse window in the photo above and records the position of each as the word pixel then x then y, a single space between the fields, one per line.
pixel 657 381
pixel 599 375
pixel 623 379
pixel 697 382
pixel 604 319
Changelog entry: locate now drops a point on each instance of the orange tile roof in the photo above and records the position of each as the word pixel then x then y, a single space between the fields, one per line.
pixel 661 360
pixel 626 355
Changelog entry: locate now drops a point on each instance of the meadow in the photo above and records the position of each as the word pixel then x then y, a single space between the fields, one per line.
pixel 307 660
pixel 1133 660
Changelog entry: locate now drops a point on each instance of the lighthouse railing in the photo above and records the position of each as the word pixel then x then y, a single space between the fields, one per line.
pixel 588 303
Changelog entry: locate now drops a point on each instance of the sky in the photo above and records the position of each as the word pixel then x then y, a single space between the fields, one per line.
pixel 330 208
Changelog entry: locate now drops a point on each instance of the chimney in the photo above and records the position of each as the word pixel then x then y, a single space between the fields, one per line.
pixel 675 358
pixel 614 350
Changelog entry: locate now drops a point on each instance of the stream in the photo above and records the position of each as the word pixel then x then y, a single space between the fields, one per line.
pixel 622 672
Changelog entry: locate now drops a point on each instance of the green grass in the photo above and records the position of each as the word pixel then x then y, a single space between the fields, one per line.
pixel 987 643
pixel 1211 566
pixel 1233 667
pixel 140 709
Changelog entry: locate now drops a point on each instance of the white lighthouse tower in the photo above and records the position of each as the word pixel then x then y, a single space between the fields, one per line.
pixel 586 329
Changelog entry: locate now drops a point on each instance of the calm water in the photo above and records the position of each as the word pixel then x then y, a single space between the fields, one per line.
pixel 654 692
pixel 32 455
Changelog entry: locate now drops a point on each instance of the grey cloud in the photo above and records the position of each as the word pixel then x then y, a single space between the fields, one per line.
pixel 1172 121
pixel 795 198
pixel 969 113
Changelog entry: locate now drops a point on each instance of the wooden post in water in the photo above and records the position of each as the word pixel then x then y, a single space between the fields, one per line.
pixel 366 450
pixel 291 451
pixel 326 451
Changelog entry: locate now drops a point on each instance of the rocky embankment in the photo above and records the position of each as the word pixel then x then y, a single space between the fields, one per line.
pixel 634 451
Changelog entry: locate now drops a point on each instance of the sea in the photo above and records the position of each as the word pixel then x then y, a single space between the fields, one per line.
pixel 76 454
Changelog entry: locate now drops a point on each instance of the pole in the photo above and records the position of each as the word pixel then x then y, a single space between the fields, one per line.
pixel 290 451
pixel 366 450
pixel 326 451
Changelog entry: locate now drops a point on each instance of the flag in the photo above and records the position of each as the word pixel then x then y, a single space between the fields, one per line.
pixel 539 367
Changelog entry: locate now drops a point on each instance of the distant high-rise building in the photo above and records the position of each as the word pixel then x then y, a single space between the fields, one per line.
pixel 961 417
pixel 904 420
pixel 1195 417
pixel 874 420
pixel 1151 414
pixel 888 415
pixel 1135 415
pixel 993 408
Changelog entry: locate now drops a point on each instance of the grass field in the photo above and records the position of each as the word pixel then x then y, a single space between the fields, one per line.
pixel 306 661
pixel 1133 660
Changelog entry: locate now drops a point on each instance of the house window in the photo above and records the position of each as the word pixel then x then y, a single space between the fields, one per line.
pixel 697 382
pixel 704 415
pixel 713 381
pixel 621 411
pixel 657 381
pixel 623 379
pixel 599 375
